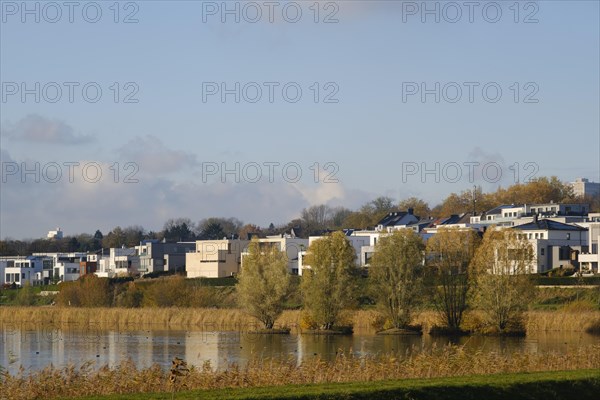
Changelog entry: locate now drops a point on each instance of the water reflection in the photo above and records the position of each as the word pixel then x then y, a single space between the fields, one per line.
pixel 36 347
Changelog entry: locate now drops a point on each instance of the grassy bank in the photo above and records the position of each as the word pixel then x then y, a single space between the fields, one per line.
pixel 560 385
pixel 448 361
pixel 364 321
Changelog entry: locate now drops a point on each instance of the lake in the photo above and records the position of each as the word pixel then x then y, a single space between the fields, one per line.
pixel 36 347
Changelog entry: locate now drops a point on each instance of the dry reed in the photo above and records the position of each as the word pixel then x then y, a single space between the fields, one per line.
pixel 51 382
pixel 364 321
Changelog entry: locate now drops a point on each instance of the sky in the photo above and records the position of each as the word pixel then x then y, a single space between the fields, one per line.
pixel 131 113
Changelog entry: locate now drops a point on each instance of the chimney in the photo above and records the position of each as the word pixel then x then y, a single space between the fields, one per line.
pixel 410 211
pixel 535 218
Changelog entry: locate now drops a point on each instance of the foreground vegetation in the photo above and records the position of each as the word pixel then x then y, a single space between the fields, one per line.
pixel 561 385
pixel 449 361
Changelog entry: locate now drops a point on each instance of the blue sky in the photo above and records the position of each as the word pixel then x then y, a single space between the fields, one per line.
pixel 369 135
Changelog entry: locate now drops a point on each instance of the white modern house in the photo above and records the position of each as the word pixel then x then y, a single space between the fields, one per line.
pixel 215 258
pixel 21 270
pixel 55 234
pixel 517 214
pixel 555 245
pixel 61 266
pixel 589 260
pixel 292 246
pixel 120 262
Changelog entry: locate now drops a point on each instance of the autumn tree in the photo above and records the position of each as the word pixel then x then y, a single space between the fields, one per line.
pixel 370 213
pixel 263 283
pixel 94 291
pixel 473 200
pixel 396 275
pixel 449 253
pixel 329 285
pixel 503 287
pixel 248 229
pixel 419 206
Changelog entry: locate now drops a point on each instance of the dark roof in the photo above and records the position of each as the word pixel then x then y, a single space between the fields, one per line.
pixel 549 225
pixel 394 217
pixel 453 219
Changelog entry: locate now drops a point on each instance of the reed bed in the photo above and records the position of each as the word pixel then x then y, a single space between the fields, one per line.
pixel 448 361
pixel 364 321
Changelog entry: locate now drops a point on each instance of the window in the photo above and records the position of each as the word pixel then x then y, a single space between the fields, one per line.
pixel 542 252
pixel 568 236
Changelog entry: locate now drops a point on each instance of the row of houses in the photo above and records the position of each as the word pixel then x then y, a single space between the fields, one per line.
pixel 561 235
pixel 556 243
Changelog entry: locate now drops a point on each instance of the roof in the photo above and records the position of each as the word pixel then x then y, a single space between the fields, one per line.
pixel 548 225
pixel 395 217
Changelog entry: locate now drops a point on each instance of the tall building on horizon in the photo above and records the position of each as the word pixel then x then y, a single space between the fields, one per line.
pixel 583 187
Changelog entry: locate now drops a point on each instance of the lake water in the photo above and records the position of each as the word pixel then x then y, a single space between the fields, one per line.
pixel 36 347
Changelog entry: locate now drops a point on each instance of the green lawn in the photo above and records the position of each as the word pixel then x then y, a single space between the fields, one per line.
pixel 563 385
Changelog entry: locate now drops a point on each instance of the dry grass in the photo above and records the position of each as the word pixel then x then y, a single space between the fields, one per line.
pixel 52 383
pixel 364 321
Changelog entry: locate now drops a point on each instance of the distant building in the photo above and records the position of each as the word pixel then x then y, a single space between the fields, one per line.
pixel 363 243
pixel 56 234
pixel 292 246
pixel 516 214
pixel 584 188
pixel 21 270
pixel 61 266
pixel 590 259
pixel 89 265
pixel 157 256
pixel 555 245
pixel 215 258
pixel 120 262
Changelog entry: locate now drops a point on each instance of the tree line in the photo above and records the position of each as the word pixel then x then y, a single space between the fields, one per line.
pixel 314 220
pixel 456 270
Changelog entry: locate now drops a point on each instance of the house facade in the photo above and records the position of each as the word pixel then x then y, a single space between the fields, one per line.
pixel 215 258
pixel 292 246
pixel 119 262
pixel 589 260
pixel 555 245
pixel 22 270
pixel 157 256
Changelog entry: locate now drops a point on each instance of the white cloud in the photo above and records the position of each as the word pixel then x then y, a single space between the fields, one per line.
pixel 153 157
pixel 37 129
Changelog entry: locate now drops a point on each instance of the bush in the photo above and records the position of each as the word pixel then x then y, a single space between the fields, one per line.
pixel 26 296
pixel 87 291
pixel 131 297
pixel 69 294
pixel 168 292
